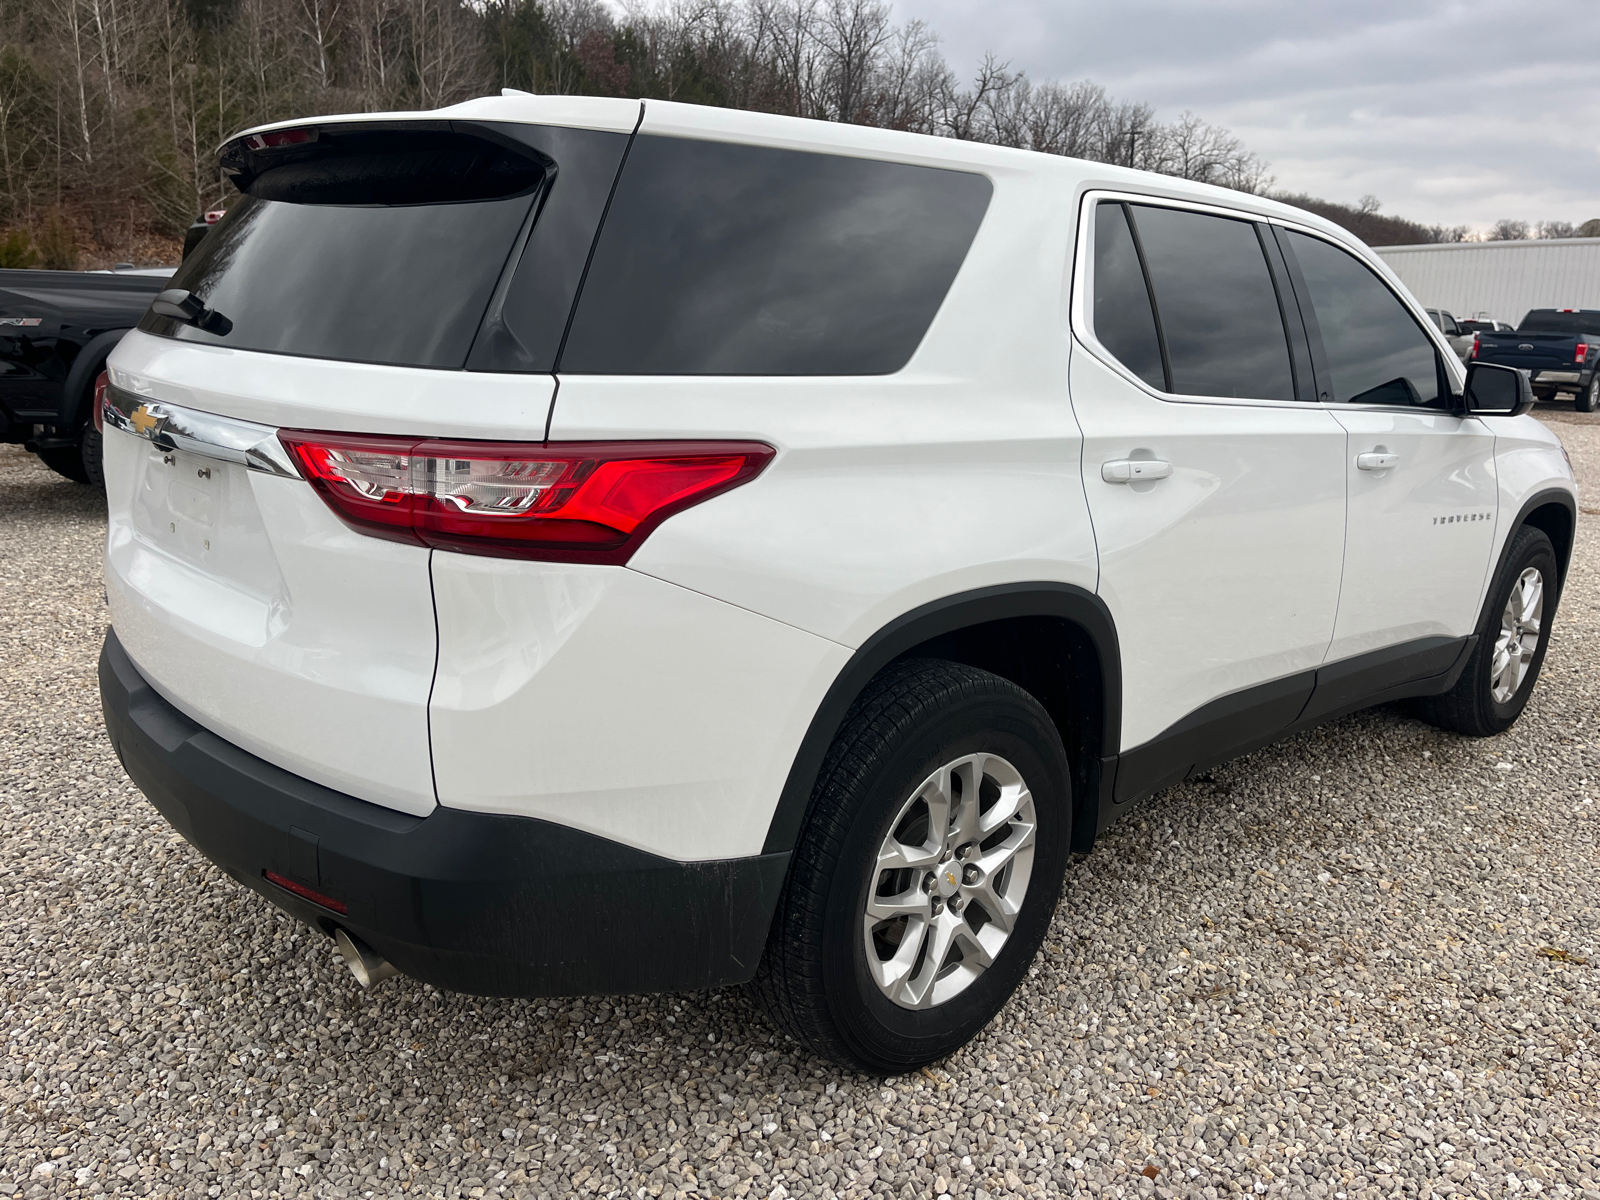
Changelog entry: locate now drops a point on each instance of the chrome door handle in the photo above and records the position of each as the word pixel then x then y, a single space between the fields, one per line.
pixel 1134 470
pixel 1376 461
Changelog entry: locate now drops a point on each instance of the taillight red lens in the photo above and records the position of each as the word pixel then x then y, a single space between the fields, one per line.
pixel 1476 339
pixel 1581 353
pixel 279 137
pixel 559 501
pixel 100 401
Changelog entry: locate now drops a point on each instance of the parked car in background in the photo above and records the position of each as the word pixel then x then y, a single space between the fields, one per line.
pixel 664 547
pixel 56 330
pixel 1484 325
pixel 1558 347
pixel 1460 339
pixel 202 224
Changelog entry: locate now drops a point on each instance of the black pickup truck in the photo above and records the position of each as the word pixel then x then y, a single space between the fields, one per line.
pixel 1558 347
pixel 56 329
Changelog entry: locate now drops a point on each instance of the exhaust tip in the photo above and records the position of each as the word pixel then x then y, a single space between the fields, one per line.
pixel 368 966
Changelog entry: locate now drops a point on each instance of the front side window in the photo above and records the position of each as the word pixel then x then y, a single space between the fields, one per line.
pixel 723 259
pixel 1374 349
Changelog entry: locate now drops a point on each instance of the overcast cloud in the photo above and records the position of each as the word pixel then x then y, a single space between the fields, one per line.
pixel 1450 113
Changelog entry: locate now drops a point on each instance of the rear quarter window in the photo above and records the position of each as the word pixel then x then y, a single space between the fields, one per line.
pixel 722 259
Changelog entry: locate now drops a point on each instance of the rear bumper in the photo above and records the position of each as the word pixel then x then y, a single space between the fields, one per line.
pixel 484 903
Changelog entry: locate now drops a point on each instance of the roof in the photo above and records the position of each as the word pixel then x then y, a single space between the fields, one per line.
pixel 672 119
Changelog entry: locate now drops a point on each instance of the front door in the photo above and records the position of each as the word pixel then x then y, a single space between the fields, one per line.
pixel 1215 483
pixel 1423 495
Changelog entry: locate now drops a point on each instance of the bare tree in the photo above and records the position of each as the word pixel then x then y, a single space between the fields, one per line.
pixel 1555 229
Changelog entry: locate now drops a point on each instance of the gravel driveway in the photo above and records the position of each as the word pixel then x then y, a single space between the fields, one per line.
pixel 1361 962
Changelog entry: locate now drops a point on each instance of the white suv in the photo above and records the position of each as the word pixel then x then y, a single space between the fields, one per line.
pixel 575 545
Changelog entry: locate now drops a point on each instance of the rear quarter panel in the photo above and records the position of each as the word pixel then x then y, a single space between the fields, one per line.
pixel 960 471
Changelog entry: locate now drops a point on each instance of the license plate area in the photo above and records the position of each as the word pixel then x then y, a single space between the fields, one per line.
pixel 200 512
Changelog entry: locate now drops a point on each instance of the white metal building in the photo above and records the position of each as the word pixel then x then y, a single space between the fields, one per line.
pixel 1502 279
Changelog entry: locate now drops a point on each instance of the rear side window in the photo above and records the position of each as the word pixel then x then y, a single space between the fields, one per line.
pixel 1216 305
pixel 385 245
pixel 1123 319
pixel 720 259
pixel 1375 351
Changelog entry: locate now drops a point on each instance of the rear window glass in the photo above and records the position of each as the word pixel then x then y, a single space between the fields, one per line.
pixel 378 248
pixel 1123 319
pixel 1216 304
pixel 719 259
pixel 1549 320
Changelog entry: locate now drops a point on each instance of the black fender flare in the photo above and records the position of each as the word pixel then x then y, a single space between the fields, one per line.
pixel 948 615
pixel 78 389
pixel 1540 499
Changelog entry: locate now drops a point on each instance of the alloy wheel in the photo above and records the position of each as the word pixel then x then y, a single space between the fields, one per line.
pixel 949 881
pixel 1520 624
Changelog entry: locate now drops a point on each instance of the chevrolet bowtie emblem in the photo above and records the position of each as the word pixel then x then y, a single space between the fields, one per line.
pixel 143 420
pixel 950 877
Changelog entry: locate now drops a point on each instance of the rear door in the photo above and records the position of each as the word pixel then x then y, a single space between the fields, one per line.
pixel 1215 482
pixel 1423 504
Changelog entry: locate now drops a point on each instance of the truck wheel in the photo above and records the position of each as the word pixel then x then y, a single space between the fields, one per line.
pixel 1588 399
pixel 927 872
pixel 81 462
pixel 1512 636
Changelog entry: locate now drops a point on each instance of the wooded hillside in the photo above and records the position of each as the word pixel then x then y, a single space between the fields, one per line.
pixel 111 110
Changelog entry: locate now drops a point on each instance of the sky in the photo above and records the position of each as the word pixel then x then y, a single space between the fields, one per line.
pixel 1450 112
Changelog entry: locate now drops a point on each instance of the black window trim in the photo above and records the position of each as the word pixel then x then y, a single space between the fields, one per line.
pixel 1450 384
pixel 1081 317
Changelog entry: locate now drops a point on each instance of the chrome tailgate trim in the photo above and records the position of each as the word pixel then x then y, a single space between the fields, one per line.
pixel 173 427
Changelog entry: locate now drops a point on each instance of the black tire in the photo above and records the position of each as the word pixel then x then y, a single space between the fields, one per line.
pixel 814 981
pixel 1470 707
pixel 81 462
pixel 1588 399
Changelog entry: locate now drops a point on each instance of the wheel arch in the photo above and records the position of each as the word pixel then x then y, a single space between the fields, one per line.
pixel 79 385
pixel 1555 513
pixel 1056 641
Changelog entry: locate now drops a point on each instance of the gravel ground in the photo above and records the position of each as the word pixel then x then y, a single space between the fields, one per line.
pixel 1363 962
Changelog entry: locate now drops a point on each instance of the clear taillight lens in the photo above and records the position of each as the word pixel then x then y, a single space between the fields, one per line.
pixel 569 502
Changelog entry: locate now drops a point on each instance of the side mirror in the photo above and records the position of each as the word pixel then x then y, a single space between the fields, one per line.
pixel 1494 390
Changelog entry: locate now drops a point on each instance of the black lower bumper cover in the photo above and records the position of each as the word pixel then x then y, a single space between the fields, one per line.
pixel 482 903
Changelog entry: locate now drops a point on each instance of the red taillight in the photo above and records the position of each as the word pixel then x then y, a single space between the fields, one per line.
pixel 559 501
pixel 1476 339
pixel 215 215
pixel 279 137
pixel 100 401
pixel 305 893
pixel 1581 353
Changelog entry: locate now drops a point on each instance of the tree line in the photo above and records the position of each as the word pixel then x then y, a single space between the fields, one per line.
pixel 111 110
